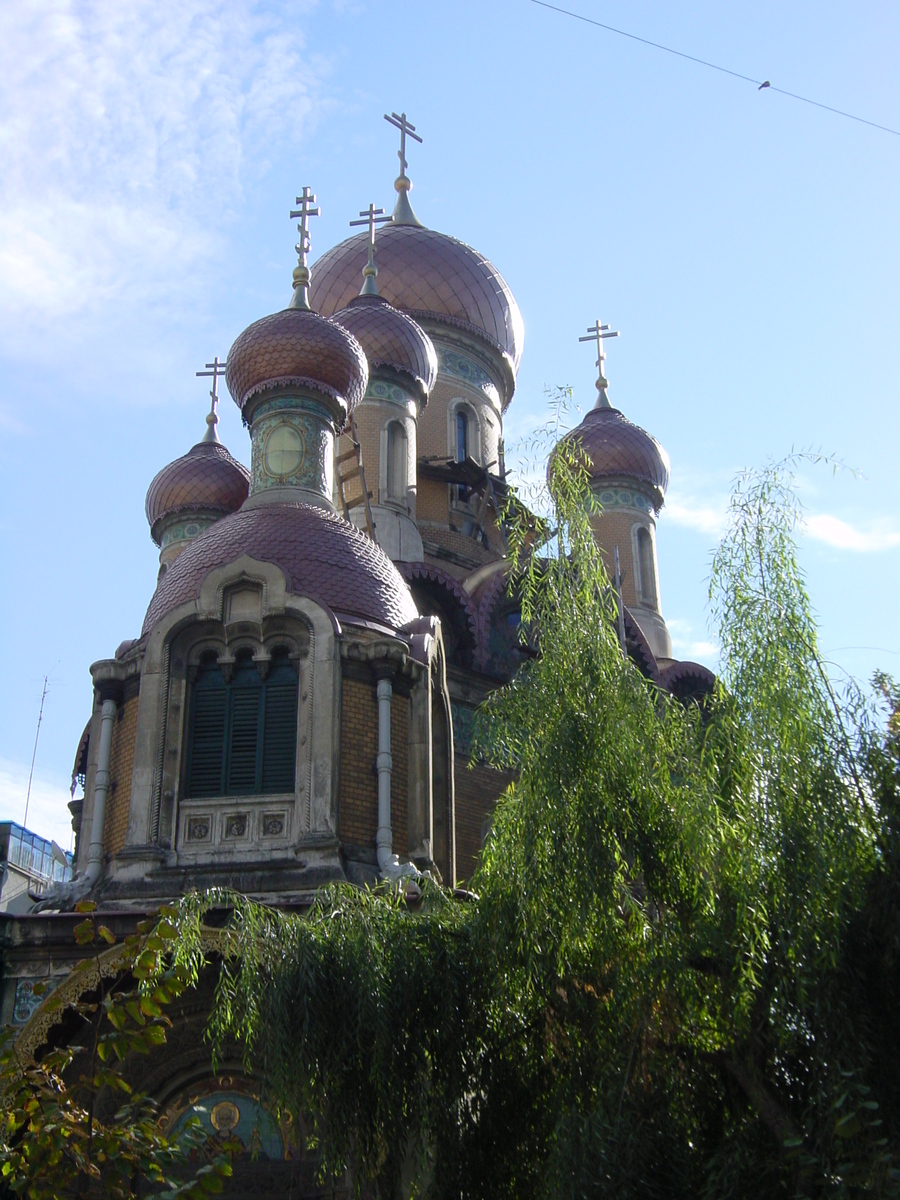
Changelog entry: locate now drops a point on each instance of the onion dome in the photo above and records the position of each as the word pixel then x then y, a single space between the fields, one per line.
pixel 617 449
pixel 297 348
pixel 321 556
pixel 428 275
pixel 392 341
pixel 206 481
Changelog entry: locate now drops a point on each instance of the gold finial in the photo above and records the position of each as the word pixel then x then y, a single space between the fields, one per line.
pixel 403 213
pixel 599 333
pixel 372 216
pixel 212 417
pixel 300 298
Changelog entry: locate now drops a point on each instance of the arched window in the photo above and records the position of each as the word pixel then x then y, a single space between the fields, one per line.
pixel 397 452
pixel 646 566
pixel 462 435
pixel 242 735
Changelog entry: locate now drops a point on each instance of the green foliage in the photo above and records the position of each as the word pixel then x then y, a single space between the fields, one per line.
pixel 69 1132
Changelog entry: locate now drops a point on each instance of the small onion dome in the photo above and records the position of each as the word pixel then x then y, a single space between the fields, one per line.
pixel 298 348
pixel 428 275
pixel 205 480
pixel 619 449
pixel 392 341
pixel 322 557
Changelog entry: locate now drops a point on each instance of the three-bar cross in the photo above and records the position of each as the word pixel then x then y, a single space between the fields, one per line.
pixel 400 122
pixel 599 333
pixel 372 216
pixel 304 212
pixel 216 370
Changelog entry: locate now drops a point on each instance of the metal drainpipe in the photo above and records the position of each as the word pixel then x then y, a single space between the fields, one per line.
pixel 101 790
pixel 389 865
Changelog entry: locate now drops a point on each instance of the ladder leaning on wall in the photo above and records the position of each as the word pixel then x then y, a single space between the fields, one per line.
pixel 348 465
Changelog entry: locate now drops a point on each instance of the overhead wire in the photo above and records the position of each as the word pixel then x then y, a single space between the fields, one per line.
pixel 759 84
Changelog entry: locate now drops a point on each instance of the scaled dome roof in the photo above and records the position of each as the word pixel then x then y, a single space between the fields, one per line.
pixel 391 339
pixel 426 274
pixel 206 479
pixel 619 449
pixel 296 347
pixel 321 556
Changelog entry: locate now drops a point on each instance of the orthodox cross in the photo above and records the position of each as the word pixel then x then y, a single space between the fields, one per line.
pixel 599 333
pixel 371 216
pixel 304 212
pixel 217 371
pixel 400 122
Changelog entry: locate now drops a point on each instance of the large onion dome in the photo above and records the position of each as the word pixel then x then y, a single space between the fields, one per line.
pixel 321 556
pixel 205 481
pixel 297 348
pixel 619 450
pixel 392 341
pixel 431 276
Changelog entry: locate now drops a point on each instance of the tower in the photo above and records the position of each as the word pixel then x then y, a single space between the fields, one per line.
pixel 629 473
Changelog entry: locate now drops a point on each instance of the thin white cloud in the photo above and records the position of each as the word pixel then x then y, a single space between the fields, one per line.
pixel 704 517
pixel 48 814
pixel 842 536
pixel 128 132
pixel 686 646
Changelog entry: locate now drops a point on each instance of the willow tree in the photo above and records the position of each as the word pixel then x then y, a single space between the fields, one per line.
pixel 676 972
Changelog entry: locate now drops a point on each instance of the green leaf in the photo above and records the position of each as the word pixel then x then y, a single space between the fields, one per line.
pixel 84 933
pixel 107 934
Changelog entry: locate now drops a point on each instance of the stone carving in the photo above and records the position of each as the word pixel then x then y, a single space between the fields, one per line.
pixel 198 829
pixel 236 825
pixel 272 824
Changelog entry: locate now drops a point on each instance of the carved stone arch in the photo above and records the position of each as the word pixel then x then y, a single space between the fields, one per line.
pixel 437 593
pixel 688 681
pixel 638 649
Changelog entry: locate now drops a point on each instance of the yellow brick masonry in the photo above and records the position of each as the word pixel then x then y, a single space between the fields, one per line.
pixel 359 785
pixel 115 826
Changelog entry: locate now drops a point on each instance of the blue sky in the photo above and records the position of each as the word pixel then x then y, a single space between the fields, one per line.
pixel 744 243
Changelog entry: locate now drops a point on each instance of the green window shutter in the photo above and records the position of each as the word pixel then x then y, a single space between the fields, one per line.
pixel 280 731
pixel 207 740
pixel 244 739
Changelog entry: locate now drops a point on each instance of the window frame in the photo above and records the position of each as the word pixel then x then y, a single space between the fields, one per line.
pixel 230 669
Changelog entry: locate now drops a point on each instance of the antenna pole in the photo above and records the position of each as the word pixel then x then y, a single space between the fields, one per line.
pixel 37 734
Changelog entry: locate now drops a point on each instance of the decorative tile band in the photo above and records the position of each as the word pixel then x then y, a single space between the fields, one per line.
pixel 452 363
pixel 622 498
pixel 27 1000
pixel 183 531
pixel 379 390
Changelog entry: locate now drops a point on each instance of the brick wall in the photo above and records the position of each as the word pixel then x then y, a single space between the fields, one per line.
pixel 477 789
pixel 459 543
pixel 115 826
pixel 432 503
pixel 359 782
pixel 613 528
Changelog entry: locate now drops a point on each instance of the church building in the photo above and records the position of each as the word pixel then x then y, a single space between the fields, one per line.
pixel 298 706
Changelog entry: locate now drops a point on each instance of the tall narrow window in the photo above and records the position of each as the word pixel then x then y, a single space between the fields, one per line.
pixel 462 435
pixel 242 737
pixel 396 462
pixel 647 567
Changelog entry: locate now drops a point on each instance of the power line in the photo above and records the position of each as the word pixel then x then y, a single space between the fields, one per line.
pixel 759 84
